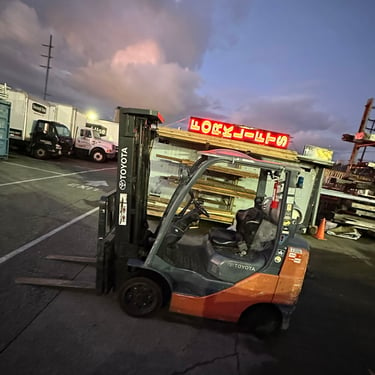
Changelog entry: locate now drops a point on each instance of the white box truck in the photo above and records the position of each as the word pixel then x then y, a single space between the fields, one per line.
pixel 108 130
pixel 30 128
pixel 86 140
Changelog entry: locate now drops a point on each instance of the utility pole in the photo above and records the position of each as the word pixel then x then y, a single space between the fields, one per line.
pixel 48 66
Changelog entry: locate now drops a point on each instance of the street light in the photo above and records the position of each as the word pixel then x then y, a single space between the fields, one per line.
pixel 92 115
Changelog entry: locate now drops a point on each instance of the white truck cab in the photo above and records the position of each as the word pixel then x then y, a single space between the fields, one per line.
pixel 89 143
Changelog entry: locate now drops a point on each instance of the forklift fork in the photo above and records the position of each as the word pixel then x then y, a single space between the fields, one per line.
pixel 61 283
pixel 103 260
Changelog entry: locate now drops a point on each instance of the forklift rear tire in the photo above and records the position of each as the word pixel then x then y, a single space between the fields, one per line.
pixel 140 297
pixel 262 320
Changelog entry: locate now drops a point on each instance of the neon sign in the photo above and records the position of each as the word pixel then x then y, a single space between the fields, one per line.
pixel 238 132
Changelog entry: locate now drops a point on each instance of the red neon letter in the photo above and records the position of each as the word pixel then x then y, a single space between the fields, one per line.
pixel 216 129
pixel 259 137
pixel 206 127
pixel 194 125
pixel 239 135
pixel 270 138
pixel 227 131
pixel 282 141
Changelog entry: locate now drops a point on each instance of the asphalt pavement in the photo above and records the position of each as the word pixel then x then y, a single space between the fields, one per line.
pixel 50 207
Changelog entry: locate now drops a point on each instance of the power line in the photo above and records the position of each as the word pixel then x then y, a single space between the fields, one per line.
pixel 48 66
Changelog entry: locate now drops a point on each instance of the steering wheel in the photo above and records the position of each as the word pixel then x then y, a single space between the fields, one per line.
pixel 201 210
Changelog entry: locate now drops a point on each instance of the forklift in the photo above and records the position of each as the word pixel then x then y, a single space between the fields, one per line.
pixel 250 273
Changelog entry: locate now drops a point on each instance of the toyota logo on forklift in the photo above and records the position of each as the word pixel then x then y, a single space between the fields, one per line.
pixel 123 169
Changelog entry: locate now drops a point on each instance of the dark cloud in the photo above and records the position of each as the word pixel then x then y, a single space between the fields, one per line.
pixel 148 53
pixel 144 53
pixel 94 29
pixel 298 116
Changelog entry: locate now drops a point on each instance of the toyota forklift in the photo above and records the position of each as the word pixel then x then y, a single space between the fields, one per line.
pixel 251 272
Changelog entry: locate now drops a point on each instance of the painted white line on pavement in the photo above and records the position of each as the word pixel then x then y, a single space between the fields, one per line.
pixel 45 236
pixel 26 166
pixel 60 175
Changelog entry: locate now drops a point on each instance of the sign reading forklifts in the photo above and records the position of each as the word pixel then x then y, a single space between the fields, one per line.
pixel 244 275
pixel 238 132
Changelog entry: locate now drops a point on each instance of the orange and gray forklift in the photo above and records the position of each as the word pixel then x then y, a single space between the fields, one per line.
pixel 251 272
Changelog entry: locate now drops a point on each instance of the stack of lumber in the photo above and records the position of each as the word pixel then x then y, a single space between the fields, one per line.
pixel 216 187
pixel 238 172
pixel 208 141
pixel 157 205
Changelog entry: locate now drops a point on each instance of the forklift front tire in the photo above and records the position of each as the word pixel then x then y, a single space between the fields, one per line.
pixel 140 297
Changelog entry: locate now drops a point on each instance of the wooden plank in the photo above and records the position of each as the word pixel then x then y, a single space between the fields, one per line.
pixel 365 213
pixel 158 210
pixel 218 187
pixel 156 198
pixel 219 219
pixel 207 140
pixel 355 221
pixel 178 160
pixel 224 216
pixel 213 217
pixel 224 191
pixel 151 212
pixel 230 171
pixel 221 213
pixel 364 207
pixel 72 258
pixel 161 207
pixel 234 172
pixel 57 283
pixel 235 193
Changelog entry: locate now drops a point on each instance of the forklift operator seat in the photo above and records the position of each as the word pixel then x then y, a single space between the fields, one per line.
pixel 256 229
pixel 247 224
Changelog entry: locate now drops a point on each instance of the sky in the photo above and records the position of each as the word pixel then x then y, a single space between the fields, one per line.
pixel 301 67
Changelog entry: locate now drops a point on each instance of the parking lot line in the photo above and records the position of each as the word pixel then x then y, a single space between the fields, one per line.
pixel 58 176
pixel 45 236
pixel 26 166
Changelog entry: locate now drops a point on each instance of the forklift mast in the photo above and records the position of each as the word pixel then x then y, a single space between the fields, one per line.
pixel 137 129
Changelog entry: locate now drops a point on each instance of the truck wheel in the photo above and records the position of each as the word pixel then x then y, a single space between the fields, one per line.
pixel 262 320
pixel 98 155
pixel 39 153
pixel 140 297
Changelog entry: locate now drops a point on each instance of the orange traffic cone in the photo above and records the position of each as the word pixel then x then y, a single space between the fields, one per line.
pixel 322 227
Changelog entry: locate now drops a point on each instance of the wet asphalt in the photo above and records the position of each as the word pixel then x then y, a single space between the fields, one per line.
pixel 50 331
